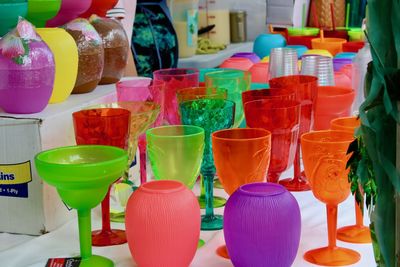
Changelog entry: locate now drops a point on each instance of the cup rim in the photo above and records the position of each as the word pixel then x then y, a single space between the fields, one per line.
pixel 174 186
pixel 264 134
pixel 198 131
pixel 164 72
pixel 305 137
pixel 279 189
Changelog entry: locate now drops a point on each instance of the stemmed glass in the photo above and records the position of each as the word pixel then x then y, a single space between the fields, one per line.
pixel 241 156
pixel 306 93
pixel 110 127
pixel 143 89
pixel 82 176
pixel 175 152
pixel 174 80
pixel 357 233
pixel 194 93
pixel 236 82
pixel 212 115
pixel 325 157
pixel 281 118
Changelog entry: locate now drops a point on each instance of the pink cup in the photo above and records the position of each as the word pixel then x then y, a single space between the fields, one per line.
pixel 259 72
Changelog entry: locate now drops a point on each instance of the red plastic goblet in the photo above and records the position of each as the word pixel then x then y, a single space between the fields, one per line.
pixel 175 79
pixel 143 89
pixel 279 93
pixel 281 118
pixel 306 93
pixel 103 126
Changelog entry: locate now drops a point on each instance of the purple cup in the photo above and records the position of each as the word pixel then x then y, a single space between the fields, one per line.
pixel 26 88
pixel 338 63
pixel 262 226
pixel 250 55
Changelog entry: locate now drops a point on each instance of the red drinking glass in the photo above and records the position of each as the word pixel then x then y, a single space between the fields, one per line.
pixel 175 79
pixel 282 119
pixel 143 89
pixel 306 93
pixel 103 126
pixel 279 93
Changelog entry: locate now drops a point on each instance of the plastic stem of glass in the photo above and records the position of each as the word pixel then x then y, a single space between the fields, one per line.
pixel 132 146
pixel 85 235
pixel 296 165
pixel 331 211
pixel 359 214
pixel 202 187
pixel 209 186
pixel 105 213
pixel 142 154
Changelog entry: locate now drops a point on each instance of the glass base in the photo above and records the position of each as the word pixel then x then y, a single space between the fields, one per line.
pixel 97 261
pixel 218 202
pixel 217 184
pixel 118 217
pixel 200 243
pixel 222 251
pixel 102 238
pixel 295 185
pixel 332 256
pixel 215 222
pixel 358 234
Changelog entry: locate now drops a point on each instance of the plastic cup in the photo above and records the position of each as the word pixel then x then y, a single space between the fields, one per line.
pixel 283 62
pixel 239 63
pixel 320 67
pixel 333 45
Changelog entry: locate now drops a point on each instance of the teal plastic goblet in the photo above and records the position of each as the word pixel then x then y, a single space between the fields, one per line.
pixel 235 82
pixel 212 115
pixel 82 176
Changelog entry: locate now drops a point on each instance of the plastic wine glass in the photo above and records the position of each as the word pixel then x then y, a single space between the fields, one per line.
pixel 325 157
pixel 306 93
pixel 143 89
pixel 212 115
pixel 82 176
pixel 241 156
pixel 236 82
pixel 281 118
pixel 175 79
pixel 107 126
pixel 194 93
pixel 357 233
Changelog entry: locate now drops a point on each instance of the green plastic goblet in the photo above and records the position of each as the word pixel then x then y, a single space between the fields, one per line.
pixel 193 93
pixel 236 82
pixel 175 152
pixel 212 115
pixel 82 176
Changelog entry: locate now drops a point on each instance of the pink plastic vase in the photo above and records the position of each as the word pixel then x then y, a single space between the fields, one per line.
pixel 163 224
pixel 238 63
pixel 70 9
pixel 259 72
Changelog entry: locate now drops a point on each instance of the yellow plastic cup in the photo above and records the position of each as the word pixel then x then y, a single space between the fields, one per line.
pixel 65 52
pixel 319 52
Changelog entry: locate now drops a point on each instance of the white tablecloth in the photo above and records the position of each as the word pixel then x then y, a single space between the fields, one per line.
pixel 24 251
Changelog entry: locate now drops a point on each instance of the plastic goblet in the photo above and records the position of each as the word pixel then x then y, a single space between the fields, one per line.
pixel 241 157
pixel 142 89
pixel 40 11
pixel 279 93
pixel 194 93
pixel 175 152
pixel 306 93
pixel 109 127
pixel 99 7
pixel 332 102
pixel 82 176
pixel 236 82
pixel 325 157
pixel 175 79
pixel 357 233
pixel 282 119
pixel 212 115
pixel 70 9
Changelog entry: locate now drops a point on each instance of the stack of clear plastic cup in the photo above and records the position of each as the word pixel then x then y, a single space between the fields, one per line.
pixel 320 67
pixel 283 62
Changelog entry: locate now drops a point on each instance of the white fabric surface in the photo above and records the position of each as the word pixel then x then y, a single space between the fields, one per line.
pixel 27 251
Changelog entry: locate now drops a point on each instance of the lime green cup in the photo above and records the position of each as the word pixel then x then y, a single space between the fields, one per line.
pixel 175 152
pixel 82 175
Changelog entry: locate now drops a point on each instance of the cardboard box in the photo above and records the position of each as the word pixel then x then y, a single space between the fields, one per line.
pixel 27 204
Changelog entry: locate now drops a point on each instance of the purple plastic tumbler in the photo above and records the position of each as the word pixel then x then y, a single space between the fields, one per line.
pixel 26 81
pixel 250 55
pixel 262 226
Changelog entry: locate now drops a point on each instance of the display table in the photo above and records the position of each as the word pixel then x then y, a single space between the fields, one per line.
pixel 27 251
pixel 214 60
